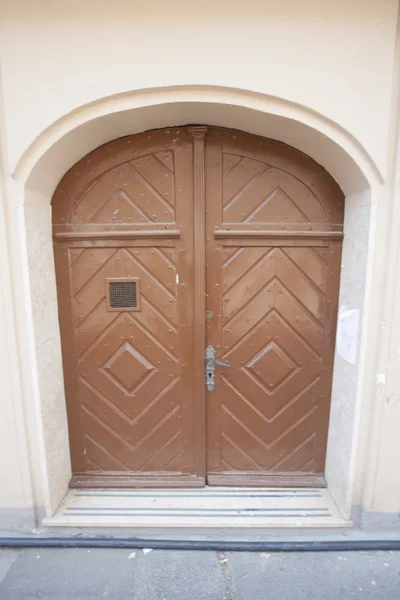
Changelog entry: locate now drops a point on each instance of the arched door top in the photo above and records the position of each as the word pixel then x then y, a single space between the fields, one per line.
pixel 304 191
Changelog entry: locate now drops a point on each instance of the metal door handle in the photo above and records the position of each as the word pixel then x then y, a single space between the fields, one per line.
pixel 221 363
pixel 210 362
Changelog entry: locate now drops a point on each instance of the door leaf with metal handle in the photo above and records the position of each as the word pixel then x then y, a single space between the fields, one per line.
pixel 210 362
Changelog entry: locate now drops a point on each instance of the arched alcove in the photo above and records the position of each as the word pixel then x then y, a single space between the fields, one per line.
pixel 50 157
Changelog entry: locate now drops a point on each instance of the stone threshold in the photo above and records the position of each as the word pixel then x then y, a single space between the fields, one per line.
pixel 208 507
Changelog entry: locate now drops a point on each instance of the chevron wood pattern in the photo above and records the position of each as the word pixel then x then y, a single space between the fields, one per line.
pixel 140 191
pixel 128 364
pixel 254 192
pixel 272 337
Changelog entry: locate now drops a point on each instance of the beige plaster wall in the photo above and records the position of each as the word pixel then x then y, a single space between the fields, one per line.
pixel 334 62
pixel 333 57
pixel 16 472
pixel 12 488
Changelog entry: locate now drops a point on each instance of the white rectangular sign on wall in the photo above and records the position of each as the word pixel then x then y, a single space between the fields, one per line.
pixel 347 334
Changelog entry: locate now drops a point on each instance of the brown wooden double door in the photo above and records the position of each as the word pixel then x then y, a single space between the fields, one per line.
pixel 172 241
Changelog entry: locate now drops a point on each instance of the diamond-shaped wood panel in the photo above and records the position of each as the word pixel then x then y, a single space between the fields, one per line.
pixel 128 367
pixel 272 365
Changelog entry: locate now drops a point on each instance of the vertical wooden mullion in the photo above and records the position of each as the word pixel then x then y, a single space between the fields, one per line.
pixel 198 134
pixel 214 293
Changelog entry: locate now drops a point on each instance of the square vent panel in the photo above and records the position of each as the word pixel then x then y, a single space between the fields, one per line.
pixel 123 294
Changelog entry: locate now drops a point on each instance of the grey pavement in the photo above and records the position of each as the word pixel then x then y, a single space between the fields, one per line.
pixel 82 574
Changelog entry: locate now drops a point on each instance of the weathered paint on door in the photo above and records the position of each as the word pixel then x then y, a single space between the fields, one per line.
pixel 152 231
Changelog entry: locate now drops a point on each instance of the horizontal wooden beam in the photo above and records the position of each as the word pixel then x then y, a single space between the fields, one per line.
pixel 276 233
pixel 118 235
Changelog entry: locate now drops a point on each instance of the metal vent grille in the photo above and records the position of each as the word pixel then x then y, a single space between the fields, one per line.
pixel 123 295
